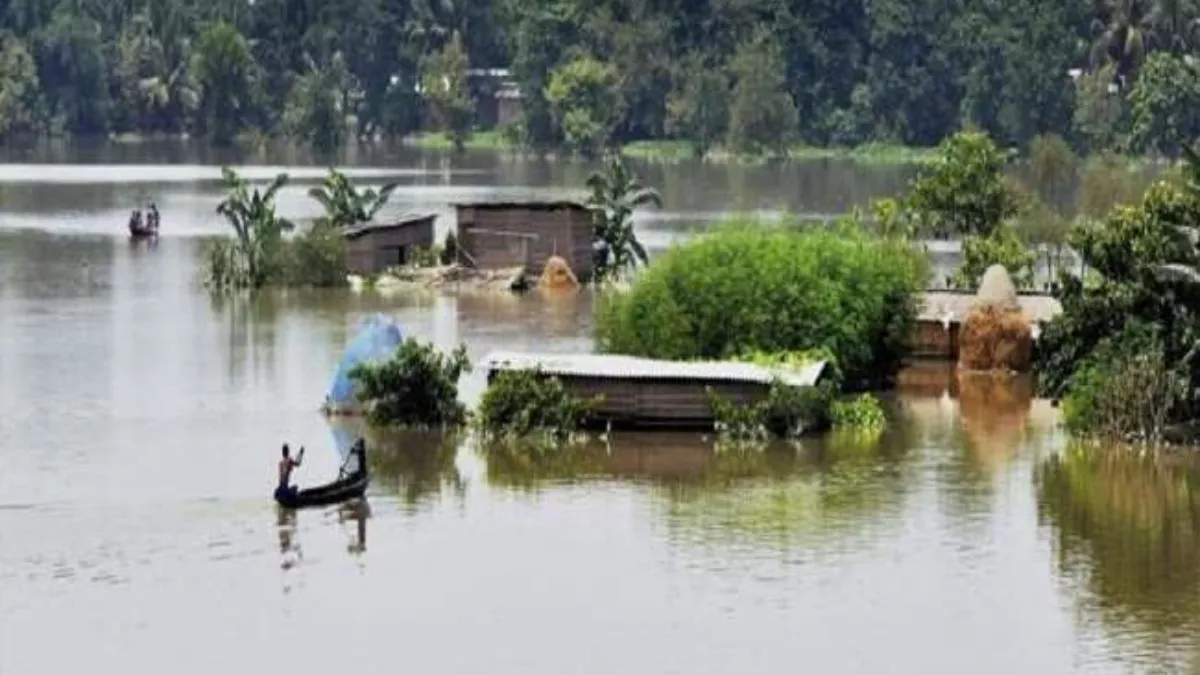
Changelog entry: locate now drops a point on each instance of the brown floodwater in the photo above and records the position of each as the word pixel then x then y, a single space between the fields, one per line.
pixel 140 422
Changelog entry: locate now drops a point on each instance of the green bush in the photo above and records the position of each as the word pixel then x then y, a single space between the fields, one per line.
pixel 862 412
pixel 1124 391
pixel 786 412
pixel 316 257
pixel 416 387
pixel 521 402
pixel 750 286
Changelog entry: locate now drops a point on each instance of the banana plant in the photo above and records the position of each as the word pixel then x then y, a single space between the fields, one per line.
pixel 346 206
pixel 258 230
pixel 615 194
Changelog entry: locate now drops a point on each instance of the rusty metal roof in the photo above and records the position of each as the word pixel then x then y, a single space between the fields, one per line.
pixel 947 306
pixel 633 368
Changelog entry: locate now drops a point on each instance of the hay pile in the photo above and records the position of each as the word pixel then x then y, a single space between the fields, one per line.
pixel 557 274
pixel 996 334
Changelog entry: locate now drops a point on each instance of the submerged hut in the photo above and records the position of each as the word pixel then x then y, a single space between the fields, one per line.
pixel 372 248
pixel 942 313
pixel 501 235
pixel 636 392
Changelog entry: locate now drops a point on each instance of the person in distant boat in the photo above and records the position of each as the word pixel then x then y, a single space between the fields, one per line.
pixel 152 218
pixel 286 465
pixel 135 218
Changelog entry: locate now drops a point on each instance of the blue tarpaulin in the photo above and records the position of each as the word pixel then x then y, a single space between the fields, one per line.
pixel 376 340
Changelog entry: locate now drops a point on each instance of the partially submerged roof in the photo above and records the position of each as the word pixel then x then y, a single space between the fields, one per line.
pixel 952 307
pixel 633 368
pixel 537 204
pixel 399 223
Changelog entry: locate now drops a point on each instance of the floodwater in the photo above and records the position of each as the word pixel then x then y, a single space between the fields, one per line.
pixel 140 422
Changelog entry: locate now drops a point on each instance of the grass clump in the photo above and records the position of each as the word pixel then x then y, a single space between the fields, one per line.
pixel 520 403
pixel 417 387
pixel 753 287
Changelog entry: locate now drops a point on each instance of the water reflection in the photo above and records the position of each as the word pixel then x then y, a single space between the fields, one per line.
pixel 1128 526
pixel 414 465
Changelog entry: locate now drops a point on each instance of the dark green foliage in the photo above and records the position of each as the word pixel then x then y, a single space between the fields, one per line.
pixel 751 286
pixel 416 387
pixel 521 402
pixel 1165 105
pixel 1142 281
pixel 596 74
pixel 1124 391
pixel 449 253
pixel 785 412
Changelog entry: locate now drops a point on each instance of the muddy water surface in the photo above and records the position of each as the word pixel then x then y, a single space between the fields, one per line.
pixel 139 424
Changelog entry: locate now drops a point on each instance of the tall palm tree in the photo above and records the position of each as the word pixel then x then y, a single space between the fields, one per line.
pixel 616 194
pixel 1123 32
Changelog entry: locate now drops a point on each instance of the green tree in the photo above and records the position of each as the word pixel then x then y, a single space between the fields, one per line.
pixel 583 97
pixel 73 72
pixel 1052 167
pixel 346 206
pixel 763 117
pixel 20 102
pixel 698 108
pixel 224 70
pixel 615 195
pixel 315 108
pixel 963 192
pixel 444 86
pixel 1165 104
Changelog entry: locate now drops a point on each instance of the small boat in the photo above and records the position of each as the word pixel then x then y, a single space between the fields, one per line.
pixel 142 231
pixel 345 488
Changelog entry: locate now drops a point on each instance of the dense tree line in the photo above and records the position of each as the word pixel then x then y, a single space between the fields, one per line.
pixel 754 76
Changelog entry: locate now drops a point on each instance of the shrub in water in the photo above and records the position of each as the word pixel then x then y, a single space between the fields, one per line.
pixel 416 387
pixel 751 286
pixel 520 402
pixel 786 412
pixel 862 412
pixel 1124 391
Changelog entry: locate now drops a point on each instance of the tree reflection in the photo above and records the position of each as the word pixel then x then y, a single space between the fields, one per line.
pixel 712 489
pixel 416 465
pixel 1129 524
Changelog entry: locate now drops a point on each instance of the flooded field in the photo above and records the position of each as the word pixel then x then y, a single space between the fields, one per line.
pixel 140 422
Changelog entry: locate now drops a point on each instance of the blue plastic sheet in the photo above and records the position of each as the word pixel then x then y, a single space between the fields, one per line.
pixel 375 341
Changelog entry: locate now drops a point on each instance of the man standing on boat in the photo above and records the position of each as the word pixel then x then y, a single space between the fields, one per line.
pixel 286 465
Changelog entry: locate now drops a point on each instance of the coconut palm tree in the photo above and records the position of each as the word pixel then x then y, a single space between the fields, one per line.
pixel 616 194
pixel 1123 32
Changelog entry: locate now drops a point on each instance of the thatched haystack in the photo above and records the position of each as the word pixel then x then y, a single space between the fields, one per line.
pixel 556 273
pixel 996 334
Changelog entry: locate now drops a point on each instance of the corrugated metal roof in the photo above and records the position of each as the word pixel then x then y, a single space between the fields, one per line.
pixel 951 307
pixel 402 221
pixel 629 367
